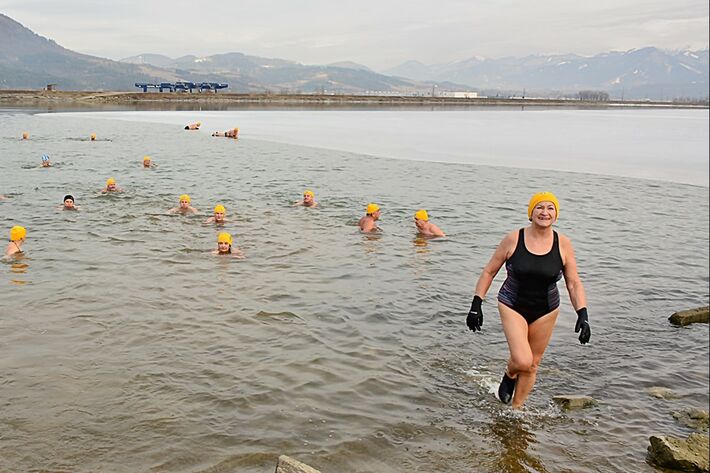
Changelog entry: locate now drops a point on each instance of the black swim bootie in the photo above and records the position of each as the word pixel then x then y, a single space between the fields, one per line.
pixel 506 388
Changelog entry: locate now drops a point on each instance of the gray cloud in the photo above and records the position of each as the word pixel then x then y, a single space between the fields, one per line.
pixel 376 33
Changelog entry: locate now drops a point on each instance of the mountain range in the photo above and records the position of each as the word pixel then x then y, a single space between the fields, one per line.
pixel 28 60
pixel 638 73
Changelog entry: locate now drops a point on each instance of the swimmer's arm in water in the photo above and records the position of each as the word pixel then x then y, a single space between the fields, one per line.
pixel 574 285
pixel 174 210
pixel 193 210
pixel 503 252
pixel 237 253
pixel 2 197
pixel 297 203
pixel 210 220
pixel 436 231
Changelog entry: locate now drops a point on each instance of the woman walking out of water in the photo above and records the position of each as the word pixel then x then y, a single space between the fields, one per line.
pixel 535 258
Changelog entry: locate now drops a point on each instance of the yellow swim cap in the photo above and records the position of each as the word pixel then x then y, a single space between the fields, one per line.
pixel 185 197
pixel 146 158
pixel 543 197
pixel 219 209
pixel 224 237
pixel 17 233
pixel 305 193
pixel 198 123
pixel 110 181
pixel 421 215
pixel 372 208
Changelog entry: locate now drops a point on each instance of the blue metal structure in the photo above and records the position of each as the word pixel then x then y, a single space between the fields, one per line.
pixel 182 86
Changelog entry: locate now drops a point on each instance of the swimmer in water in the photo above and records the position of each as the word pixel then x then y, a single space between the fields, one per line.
pixel 224 246
pixel 193 126
pixel 2 197
pixel 69 203
pixel 367 223
pixel 233 133
pixel 111 186
pixel 219 215
pixel 17 239
pixel 184 206
pixel 535 258
pixel 93 137
pixel 307 201
pixel 25 135
pixel 147 162
pixel 424 226
pixel 45 161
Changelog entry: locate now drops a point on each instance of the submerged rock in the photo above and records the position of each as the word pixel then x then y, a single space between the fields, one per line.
pixel 693 418
pixel 691 316
pixel 574 401
pixel 289 465
pixel 689 454
pixel 661 393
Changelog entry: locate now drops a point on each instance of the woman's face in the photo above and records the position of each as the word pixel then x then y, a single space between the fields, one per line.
pixel 223 246
pixel 219 216
pixel 544 214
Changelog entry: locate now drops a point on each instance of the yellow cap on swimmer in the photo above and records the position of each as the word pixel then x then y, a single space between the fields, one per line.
pixel 219 209
pixel 146 158
pixel 110 181
pixel 185 197
pixel 543 197
pixel 308 192
pixel 198 123
pixel 17 233
pixel 372 208
pixel 421 215
pixel 224 237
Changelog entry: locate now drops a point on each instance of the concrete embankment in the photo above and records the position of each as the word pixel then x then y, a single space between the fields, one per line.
pixel 100 98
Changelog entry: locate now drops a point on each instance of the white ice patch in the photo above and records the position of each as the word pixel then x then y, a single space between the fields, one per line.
pixel 690 68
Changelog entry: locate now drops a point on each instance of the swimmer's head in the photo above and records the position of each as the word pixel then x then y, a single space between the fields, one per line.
pixel 308 196
pixel 421 215
pixel 17 233
pixel 93 137
pixel 68 201
pixel 25 135
pixel 45 160
pixel 198 123
pixel 219 212
pixel 372 209
pixel 110 183
pixel 146 161
pixel 224 242
pixel 540 197
pixel 185 201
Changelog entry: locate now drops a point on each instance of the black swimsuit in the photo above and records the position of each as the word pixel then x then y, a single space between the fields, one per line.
pixel 531 286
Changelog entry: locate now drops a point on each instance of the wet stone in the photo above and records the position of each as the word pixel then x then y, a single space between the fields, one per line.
pixel 689 454
pixel 691 316
pixel 574 401
pixel 693 418
pixel 660 392
pixel 287 464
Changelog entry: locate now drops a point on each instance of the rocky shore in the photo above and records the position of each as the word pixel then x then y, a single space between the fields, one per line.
pixel 88 98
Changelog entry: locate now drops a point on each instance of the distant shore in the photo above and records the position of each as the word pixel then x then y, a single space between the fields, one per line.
pixel 43 98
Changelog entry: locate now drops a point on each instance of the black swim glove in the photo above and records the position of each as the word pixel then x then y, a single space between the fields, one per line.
pixel 583 325
pixel 475 315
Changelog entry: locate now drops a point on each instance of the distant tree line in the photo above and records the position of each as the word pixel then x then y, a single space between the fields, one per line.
pixel 593 95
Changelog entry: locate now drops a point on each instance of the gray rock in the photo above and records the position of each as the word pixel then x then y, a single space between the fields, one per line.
pixel 689 454
pixel 289 465
pixel 661 392
pixel 692 316
pixel 574 401
pixel 693 418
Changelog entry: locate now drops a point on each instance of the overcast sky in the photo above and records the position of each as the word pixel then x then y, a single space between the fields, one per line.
pixel 379 34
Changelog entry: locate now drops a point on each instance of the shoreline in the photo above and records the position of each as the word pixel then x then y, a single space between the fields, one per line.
pixel 25 98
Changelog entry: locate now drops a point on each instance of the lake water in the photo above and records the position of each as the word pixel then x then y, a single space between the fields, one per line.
pixel 126 346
